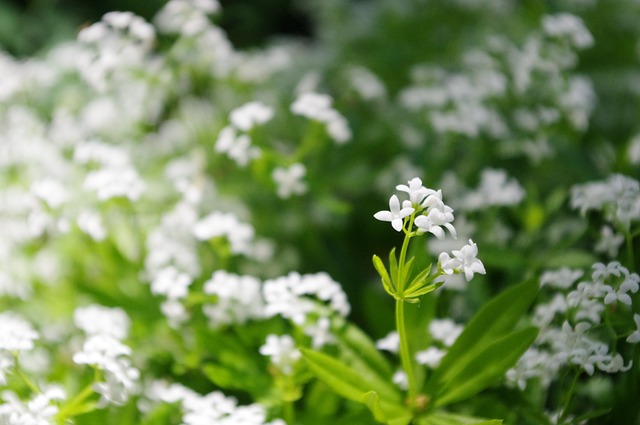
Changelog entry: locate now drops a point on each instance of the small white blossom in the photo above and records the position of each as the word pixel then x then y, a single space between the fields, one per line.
pixel 634 338
pixel 395 215
pixel 400 379
pixel 317 107
pixel 16 334
pixel 568 26
pixel 171 283
pixel 289 181
pixel 239 299
pixel 99 320
pixel 445 331
pixel 251 114
pixel 430 357
pixel 417 192
pixel 563 278
pixel 464 261
pixel 390 343
pixel 436 216
pixel 282 352
pixel 320 333
pixel 37 411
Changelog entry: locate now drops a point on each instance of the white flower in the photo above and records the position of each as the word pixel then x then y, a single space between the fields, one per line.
pixel 417 192
pixel 6 363
pixel 99 320
pixel 251 114
pixel 495 189
pixel 317 107
pixel 237 147
pixel 395 215
pixel 436 216
pixel 400 379
pixel 16 334
pixel 282 352
pixel 563 278
pixel 391 342
pixel 239 234
pixel 634 338
pixel 37 411
pixel 464 260
pixel 290 180
pixel 320 333
pixel 172 283
pixel 430 357
pixel 239 298
pixel 568 26
pixel 445 331
pixel 609 242
pixel 90 223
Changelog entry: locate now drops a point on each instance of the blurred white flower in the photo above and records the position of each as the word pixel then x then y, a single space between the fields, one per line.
pixel 251 114
pixel 16 334
pixel 282 352
pixel 289 181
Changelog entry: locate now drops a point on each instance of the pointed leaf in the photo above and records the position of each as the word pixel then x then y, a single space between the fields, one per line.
pixel 486 367
pixel 382 271
pixel 393 268
pixel 406 272
pixel 372 400
pixel 344 380
pixel 443 418
pixel 353 339
pixel 494 320
pixel 422 291
pixel 419 279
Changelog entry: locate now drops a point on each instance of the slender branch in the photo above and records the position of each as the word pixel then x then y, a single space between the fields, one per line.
pixel 405 354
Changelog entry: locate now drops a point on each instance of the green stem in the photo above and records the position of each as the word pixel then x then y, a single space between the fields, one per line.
pixel 289 413
pixel 565 408
pixel 18 371
pixel 405 354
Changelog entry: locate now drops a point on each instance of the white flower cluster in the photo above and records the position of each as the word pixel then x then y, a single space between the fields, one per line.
pixel 121 40
pixel 238 299
pixel 289 181
pixel 16 335
pixel 317 106
pixel 105 328
pixel 172 262
pixel 37 411
pixel 212 409
pixel 579 310
pixel 282 352
pixel 469 101
pixel 434 213
pixel 292 297
pixel 239 146
pixel 495 189
pixel 618 197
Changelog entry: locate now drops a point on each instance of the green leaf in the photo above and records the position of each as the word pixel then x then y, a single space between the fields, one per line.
pixel 443 418
pixel 418 280
pixel 406 272
pixel 353 339
pixel 418 292
pixel 486 367
pixel 382 271
pixel 493 321
pixel 393 269
pixel 343 380
pixel 372 400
